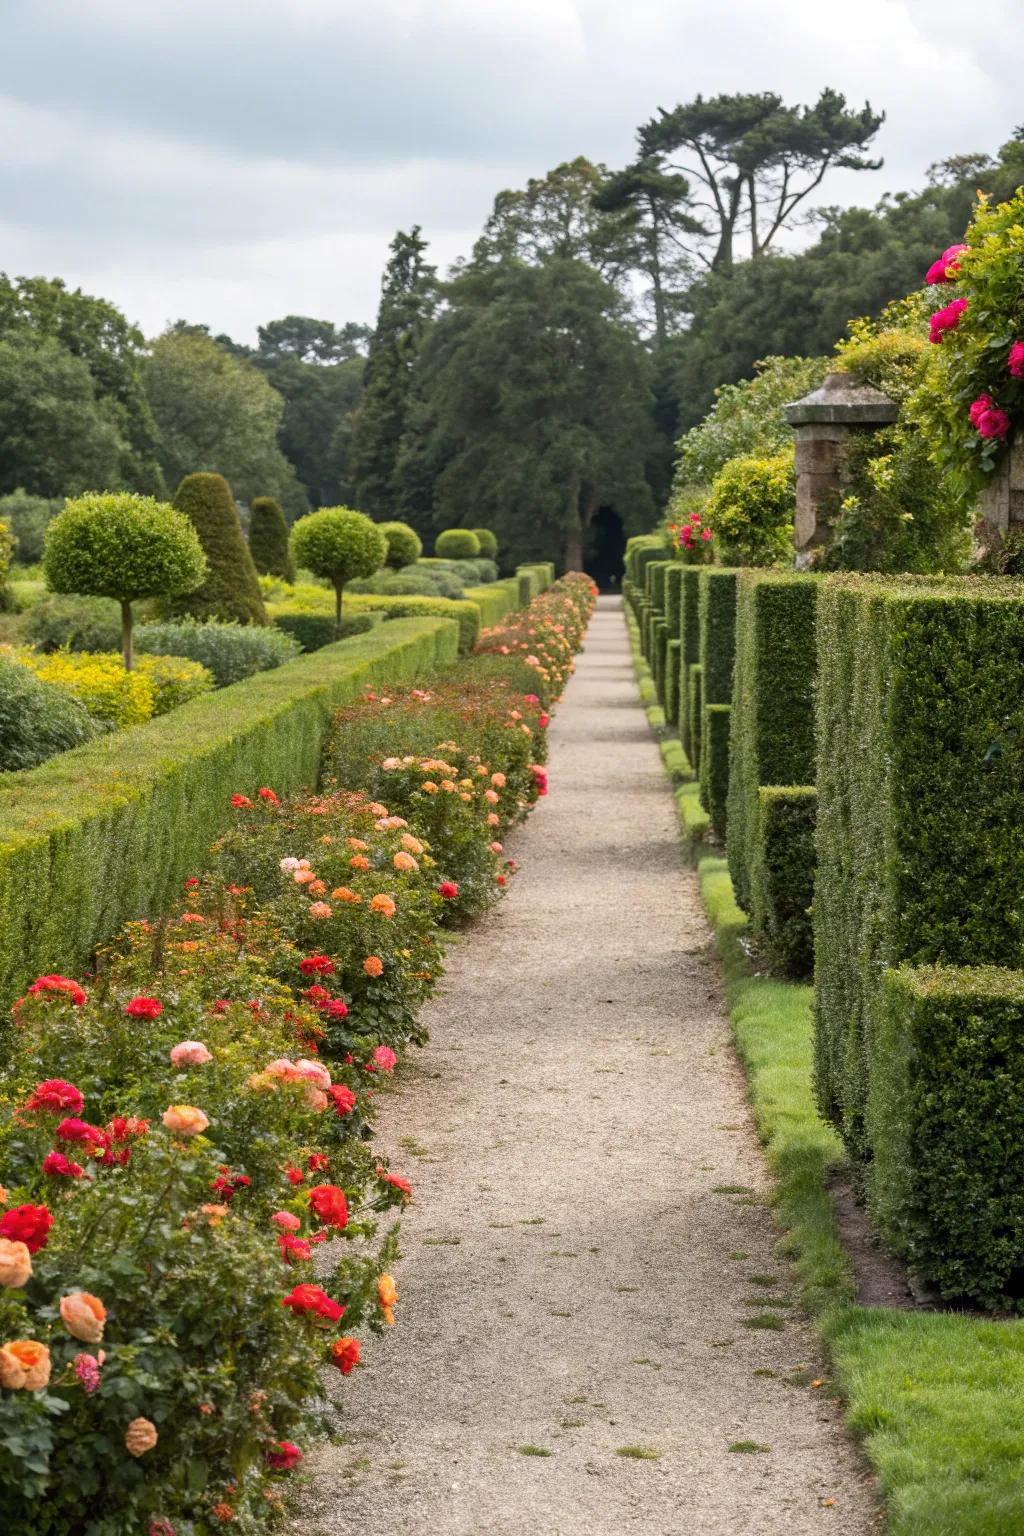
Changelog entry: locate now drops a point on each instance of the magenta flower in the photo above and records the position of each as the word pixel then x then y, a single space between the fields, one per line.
pixel 944 270
pixel 1016 363
pixel 946 319
pixel 982 404
pixel 993 423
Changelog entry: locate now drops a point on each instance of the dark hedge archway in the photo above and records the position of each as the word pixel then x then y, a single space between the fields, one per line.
pixel 606 549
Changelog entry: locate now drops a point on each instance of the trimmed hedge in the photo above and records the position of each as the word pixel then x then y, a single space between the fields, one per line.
pixel 465 614
pixel 717 608
pixel 694 712
pixel 673 599
pixel 107 832
pixel 639 550
pixel 672 679
pixel 946 1123
pixel 920 832
pixel 315 630
pixel 689 636
pixel 660 656
pixel 773 704
pixel 714 765
pixel 782 877
pixel 495 599
pixel 534 578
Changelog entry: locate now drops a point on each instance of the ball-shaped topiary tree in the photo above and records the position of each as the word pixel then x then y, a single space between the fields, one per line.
pixel 338 544
pixel 457 544
pixel 122 546
pixel 488 542
pixel 231 590
pixel 268 539
pixel 404 544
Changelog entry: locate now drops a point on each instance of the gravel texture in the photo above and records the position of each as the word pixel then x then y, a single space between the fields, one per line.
pixel 589 1241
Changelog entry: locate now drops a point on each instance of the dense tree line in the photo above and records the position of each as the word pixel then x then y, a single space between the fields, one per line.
pixel 543 381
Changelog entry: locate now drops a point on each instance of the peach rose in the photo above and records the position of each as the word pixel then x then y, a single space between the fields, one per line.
pixel 190 1053
pixel 15 1263
pixel 314 1072
pixel 287 1070
pixel 24 1365
pixel 214 1213
pixel 373 965
pixel 498 780
pixel 385 905
pixel 185 1120
pixel 411 844
pixel 315 1097
pixel 83 1316
pixel 405 861
pixel 140 1437
pixel 319 910
pixel 344 894
pixel 387 1295
pixel 303 877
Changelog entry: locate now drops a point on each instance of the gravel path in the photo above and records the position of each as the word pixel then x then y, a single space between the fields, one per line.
pixel 589 1243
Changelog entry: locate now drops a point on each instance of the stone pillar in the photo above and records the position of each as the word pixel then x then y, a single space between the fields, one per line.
pixel 825 422
pixel 1001 504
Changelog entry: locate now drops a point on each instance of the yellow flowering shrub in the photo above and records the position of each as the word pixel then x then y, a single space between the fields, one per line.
pixel 175 679
pixel 109 693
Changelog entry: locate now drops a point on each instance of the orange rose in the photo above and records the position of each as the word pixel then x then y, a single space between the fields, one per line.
pixel 15 1263
pixel 359 861
pixel 428 788
pixel 411 844
pixel 140 1437
pixel 373 966
pixel 185 1120
pixel 24 1366
pixel 83 1316
pixel 387 1295
pixel 317 888
pixel 405 861
pixel 214 1213
pixel 344 894
pixel 383 904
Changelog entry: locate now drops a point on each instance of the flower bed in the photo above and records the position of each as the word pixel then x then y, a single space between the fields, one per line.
pixel 182 1133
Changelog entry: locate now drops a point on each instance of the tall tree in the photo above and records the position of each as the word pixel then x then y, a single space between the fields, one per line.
pixel 408 302
pixel 559 215
pixel 654 205
pixel 311 341
pixel 56 437
pixel 753 161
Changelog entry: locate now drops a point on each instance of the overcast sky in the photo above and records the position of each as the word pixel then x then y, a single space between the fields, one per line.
pixel 231 161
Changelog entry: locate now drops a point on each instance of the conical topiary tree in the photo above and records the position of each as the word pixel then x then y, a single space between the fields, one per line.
pixel 487 541
pixel 268 539
pixel 231 590
pixel 338 544
pixel 404 544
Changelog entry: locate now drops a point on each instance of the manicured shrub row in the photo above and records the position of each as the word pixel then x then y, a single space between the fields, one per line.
pixel 782 878
pixel 672 688
pixel 714 765
pixel 161 1332
pixel 920 834
pixel 495 599
pixel 106 832
pixel 312 631
pixel 689 647
pixel 290 608
pixel 694 714
pixel 773 704
pixel 232 652
pixel 717 620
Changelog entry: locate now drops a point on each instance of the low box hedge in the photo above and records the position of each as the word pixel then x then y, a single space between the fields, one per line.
pixel 689 636
pixel 495 599
pixel 694 713
pixel 773 704
pixel 465 613
pixel 782 877
pixel 717 609
pixel 108 831
pixel 920 828
pixel 315 630
pixel 945 1118
pixel 714 765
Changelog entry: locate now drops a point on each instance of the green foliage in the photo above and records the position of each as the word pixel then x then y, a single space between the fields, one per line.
pixel 6 550
pixel 714 766
pixel 694 713
pixel 494 599
pixel 674 600
pixel 407 583
pixel 337 545
pixel 945 1117
pixel 773 706
pixel 231 590
pixel 74 623
pixel 404 544
pixel 920 833
pixel 268 539
pixel 122 821
pixel 56 437
pixel 689 646
pixel 311 631
pixel 114 697
pixel 782 878
pixel 641 548
pixel 465 614
pixel 174 680
pixel 27 517
pixel 230 652
pixel 717 619
pixel 751 508
pixel 457 544
pixel 746 420
pixel 488 542
pixel 37 719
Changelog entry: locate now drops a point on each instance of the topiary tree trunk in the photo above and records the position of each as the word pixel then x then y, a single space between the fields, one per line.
pixel 127 649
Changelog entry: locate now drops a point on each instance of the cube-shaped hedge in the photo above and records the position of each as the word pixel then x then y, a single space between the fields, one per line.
pixel 782 876
pixel 660 657
pixel 694 713
pixel 689 655
pixel 717 632
pixel 639 550
pixel 714 765
pixel 946 1122
pixel 772 736
pixel 673 605
pixel 672 682
pixel 920 830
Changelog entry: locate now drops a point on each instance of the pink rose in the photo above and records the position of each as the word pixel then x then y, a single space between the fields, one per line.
pixel 943 270
pixel 286 1221
pixel 946 319
pixel 385 1058
pixel 993 423
pixel 190 1053
pixel 314 1072
pixel 1016 363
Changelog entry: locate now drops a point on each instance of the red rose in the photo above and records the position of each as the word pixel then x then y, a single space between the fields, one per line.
pixel 283 1456
pixel 81 1131
pixel 71 989
pixel 28 1224
pixel 335 1009
pixel 295 1175
pixel 317 965
pixel 241 802
pixel 329 1204
pixel 402 1185
pixel 297 1246
pixel 56 1097
pixel 344 1099
pixel 317 1160
pixel 56 1164
pixel 448 890
pixel 310 1298
pixel 144 1008
pixel 345 1354
pixel 269 796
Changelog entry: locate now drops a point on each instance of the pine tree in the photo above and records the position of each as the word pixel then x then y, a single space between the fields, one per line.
pixel 408 301
pixel 231 590
pixel 268 539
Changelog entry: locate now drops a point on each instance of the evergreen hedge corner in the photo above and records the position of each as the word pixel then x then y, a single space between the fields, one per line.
pixel 659 570
pixel 672 682
pixel 714 765
pixel 717 608
pixel 920 825
pixel 945 1116
pixel 782 878
pixel 231 590
pixel 773 703
pixel 112 828
pixel 673 599
pixel 268 539
pixel 689 637
pixel 694 714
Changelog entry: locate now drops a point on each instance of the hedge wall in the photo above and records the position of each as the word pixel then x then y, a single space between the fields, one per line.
pixel 673 599
pixel 689 636
pixel 714 765
pixel 108 831
pixel 920 833
pixel 639 550
pixel 672 690
pixel 946 1121
pixel 773 703
pixel 495 599
pixel 782 877
pixel 694 713
pixel 717 609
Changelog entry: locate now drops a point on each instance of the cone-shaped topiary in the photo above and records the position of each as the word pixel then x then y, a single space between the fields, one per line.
pixel 457 544
pixel 404 544
pixel 268 539
pixel 338 545
pixel 487 541
pixel 231 590
pixel 125 547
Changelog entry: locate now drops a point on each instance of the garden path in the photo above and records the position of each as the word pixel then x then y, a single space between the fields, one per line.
pixel 575 1281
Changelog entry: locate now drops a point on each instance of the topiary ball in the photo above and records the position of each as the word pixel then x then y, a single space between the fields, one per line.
pixel 338 544
pixel 404 544
pixel 457 544
pixel 488 542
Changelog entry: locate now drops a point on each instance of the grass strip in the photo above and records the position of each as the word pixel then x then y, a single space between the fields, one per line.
pixel 935 1398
